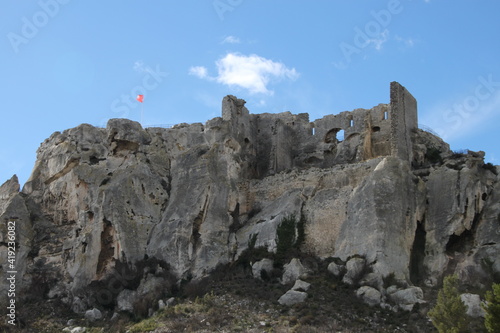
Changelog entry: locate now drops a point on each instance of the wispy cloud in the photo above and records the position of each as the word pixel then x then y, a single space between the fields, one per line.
pixel 253 72
pixel 380 40
pixel 408 42
pixel 231 40
pixel 199 71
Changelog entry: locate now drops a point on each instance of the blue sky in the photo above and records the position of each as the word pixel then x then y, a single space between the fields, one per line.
pixel 67 62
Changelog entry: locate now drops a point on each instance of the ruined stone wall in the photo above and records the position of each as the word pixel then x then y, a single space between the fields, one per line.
pixel 284 141
pixel 403 118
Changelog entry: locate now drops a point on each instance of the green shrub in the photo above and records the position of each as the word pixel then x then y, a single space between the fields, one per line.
pixel 252 241
pixel 492 308
pixel 290 235
pixel 433 155
pixel 449 314
pixel 286 234
pixel 491 167
pixel 459 153
pixel 147 325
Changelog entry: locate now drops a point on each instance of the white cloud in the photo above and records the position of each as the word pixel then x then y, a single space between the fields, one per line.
pixel 379 42
pixel 231 40
pixel 408 42
pixel 252 72
pixel 199 71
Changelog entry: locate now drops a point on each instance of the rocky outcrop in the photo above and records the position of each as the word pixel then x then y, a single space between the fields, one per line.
pixel 474 305
pixel 103 205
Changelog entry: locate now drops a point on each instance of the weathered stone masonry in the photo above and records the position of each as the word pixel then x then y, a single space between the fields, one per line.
pixel 285 140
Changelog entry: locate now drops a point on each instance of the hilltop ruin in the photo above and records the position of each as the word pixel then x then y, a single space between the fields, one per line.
pixel 188 199
pixel 286 140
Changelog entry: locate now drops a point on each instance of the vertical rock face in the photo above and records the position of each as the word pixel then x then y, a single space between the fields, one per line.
pixel 195 196
pixel 382 218
pixel 16 235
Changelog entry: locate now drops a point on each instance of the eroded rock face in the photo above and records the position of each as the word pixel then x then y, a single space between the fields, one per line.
pixel 196 196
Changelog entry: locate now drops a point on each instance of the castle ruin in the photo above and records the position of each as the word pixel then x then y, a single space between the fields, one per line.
pixel 283 141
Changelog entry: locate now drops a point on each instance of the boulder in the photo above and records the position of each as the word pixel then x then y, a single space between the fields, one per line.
pixel 473 304
pixel 405 299
pixel 78 306
pixel 126 300
pixel 93 315
pixel 292 297
pixel 336 269
pixel 355 268
pixel 293 271
pixel 369 295
pixel 264 265
pixel 301 286
pixel 373 280
pixel 79 330
pixel 170 302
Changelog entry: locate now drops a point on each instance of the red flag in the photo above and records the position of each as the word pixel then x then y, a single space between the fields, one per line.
pixel 140 98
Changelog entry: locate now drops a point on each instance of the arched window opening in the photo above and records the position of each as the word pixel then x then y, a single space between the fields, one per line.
pixel 334 135
pixel 340 135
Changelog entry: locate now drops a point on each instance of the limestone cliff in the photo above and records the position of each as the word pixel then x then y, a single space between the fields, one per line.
pixel 196 196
